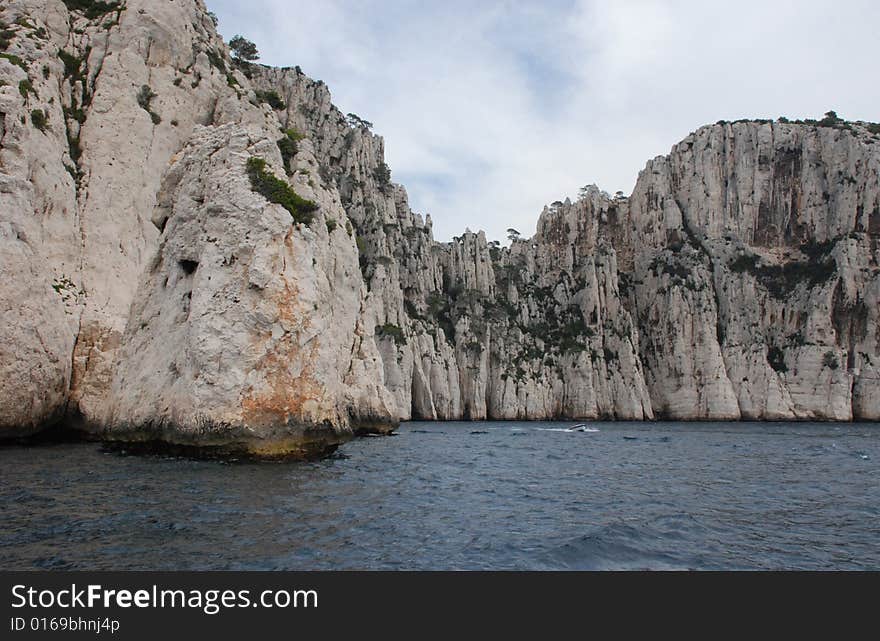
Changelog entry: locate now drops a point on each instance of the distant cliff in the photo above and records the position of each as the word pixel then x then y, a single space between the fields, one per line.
pixel 208 253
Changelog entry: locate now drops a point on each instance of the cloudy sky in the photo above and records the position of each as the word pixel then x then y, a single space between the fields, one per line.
pixel 491 109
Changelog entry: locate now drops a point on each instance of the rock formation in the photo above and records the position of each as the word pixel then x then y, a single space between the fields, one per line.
pixel 208 253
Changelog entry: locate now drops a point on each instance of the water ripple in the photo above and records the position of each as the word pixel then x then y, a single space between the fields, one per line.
pixel 463 496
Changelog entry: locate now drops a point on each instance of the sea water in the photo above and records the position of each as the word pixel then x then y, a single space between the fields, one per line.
pixel 463 496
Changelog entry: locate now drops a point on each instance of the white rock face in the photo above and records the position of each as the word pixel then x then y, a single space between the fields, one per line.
pixel 129 92
pixel 126 148
pixel 468 329
pixel 735 283
pixel 149 292
pixel 247 331
pixel 41 289
pixel 762 239
pixel 79 193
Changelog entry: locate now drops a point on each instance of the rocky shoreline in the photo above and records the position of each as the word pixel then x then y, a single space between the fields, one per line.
pixel 208 253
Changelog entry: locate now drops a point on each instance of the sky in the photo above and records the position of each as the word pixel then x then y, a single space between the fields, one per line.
pixel 492 109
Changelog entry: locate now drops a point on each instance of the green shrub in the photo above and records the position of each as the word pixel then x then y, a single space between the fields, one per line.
pixel 145 98
pixel 288 146
pixel 272 99
pixel 73 113
pixel 831 120
pixel 331 225
pixel 279 192
pixel 6 36
pixel 829 360
pixel 776 359
pixel 382 175
pixel 570 344
pixel 93 8
pixel 781 280
pixel 676 270
pixel 18 62
pixel 392 331
pixel 74 148
pixel 40 119
pixel 744 263
pixel 216 60
pixel 72 64
pixel 817 250
pixel 25 87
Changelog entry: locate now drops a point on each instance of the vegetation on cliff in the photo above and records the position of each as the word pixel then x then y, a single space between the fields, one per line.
pixel 279 192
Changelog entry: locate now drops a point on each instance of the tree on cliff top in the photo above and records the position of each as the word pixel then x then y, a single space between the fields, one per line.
pixel 243 49
pixel 831 118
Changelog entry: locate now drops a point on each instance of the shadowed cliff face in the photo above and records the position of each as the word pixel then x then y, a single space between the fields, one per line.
pixel 154 291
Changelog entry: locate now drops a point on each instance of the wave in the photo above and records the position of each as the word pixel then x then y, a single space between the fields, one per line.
pixel 619 546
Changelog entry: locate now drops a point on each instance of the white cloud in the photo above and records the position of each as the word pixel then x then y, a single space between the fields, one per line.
pixel 492 109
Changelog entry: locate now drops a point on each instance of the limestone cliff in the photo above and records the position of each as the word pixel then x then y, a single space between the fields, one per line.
pixel 753 256
pixel 206 252
pixel 738 281
pixel 469 329
pixel 150 292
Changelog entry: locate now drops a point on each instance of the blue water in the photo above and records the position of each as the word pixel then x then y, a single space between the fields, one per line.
pixel 463 496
